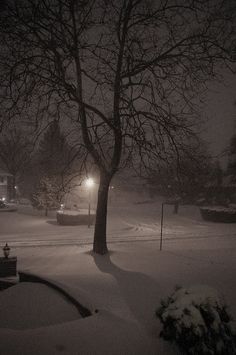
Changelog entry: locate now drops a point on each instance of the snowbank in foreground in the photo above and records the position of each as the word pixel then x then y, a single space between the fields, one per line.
pixel 32 305
pixel 102 333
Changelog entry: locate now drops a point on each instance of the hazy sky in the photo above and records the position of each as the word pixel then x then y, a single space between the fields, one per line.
pixel 220 113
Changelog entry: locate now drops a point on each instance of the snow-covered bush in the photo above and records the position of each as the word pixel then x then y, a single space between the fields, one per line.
pixel 219 214
pixel 196 319
pixel 68 217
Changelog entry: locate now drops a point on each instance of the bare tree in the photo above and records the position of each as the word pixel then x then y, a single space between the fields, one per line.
pixel 125 71
pixel 186 175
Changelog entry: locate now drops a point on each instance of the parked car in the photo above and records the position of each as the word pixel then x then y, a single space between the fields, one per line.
pixel 2 204
pixel 4 207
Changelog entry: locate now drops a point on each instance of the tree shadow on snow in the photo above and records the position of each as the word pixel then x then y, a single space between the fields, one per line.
pixel 139 291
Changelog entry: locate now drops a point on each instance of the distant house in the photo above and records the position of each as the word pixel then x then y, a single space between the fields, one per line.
pixel 6 185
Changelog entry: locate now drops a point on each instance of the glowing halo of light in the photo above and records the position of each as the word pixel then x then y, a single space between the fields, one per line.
pixel 89 182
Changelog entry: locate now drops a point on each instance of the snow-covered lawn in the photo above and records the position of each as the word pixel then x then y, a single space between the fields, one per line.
pixel 126 286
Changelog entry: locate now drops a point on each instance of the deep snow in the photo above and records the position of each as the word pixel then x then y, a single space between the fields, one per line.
pixel 127 285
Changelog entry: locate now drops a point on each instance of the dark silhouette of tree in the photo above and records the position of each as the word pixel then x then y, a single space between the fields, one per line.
pixel 214 190
pixel 230 173
pixel 15 153
pixel 53 153
pixel 57 166
pixel 125 71
pixel 231 167
pixel 185 174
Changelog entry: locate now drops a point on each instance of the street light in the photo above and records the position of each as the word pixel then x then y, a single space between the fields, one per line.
pixel 110 192
pixel 89 183
pixel 6 251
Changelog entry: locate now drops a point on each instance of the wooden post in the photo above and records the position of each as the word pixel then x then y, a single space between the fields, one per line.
pixel 89 209
pixel 89 216
pixel 162 213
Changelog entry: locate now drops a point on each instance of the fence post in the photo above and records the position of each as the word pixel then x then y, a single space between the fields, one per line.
pixel 162 213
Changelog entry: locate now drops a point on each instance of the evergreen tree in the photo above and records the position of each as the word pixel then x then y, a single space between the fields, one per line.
pixel 54 154
pixel 54 162
pixel 15 154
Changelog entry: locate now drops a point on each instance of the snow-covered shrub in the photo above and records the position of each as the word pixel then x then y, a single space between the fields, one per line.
pixel 48 194
pixel 68 217
pixel 219 214
pixel 196 319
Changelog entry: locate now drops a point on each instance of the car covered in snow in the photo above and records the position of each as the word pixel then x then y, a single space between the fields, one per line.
pixel 2 204
pixel 4 207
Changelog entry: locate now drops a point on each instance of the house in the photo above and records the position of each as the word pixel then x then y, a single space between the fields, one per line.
pixel 6 185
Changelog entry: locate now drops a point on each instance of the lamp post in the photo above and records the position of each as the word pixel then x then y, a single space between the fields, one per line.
pixel 89 183
pixel 111 188
pixel 6 251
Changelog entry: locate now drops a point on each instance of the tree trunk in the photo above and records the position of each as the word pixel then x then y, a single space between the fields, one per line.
pixel 100 242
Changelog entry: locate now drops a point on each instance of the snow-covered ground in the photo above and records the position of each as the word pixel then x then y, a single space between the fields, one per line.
pixel 126 286
pixel 126 222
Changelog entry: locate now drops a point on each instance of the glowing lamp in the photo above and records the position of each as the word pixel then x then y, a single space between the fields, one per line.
pixel 89 182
